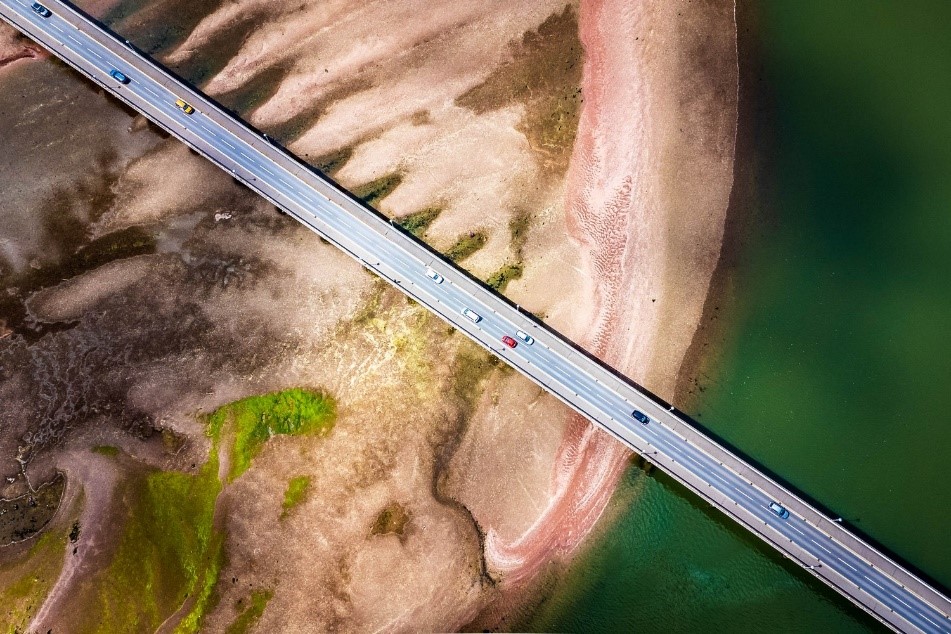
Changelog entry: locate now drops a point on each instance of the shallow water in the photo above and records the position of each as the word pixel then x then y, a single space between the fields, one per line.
pixel 838 354
pixel 672 564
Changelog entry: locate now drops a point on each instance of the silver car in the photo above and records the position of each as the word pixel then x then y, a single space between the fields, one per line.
pixel 471 314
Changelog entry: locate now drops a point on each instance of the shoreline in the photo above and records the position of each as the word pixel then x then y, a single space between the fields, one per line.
pixel 625 197
pixel 713 330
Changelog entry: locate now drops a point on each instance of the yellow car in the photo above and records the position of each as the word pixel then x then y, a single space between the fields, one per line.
pixel 186 108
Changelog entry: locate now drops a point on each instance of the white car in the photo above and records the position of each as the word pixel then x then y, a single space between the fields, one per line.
pixel 471 314
pixel 434 276
pixel 525 337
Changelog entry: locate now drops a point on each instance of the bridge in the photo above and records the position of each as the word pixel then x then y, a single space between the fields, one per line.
pixel 821 545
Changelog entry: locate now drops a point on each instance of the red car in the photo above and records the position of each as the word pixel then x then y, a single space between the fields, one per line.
pixel 511 343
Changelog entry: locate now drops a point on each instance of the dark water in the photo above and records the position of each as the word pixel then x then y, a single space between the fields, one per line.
pixel 836 374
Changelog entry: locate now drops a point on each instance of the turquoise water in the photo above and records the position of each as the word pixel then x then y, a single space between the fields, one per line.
pixel 673 564
pixel 836 373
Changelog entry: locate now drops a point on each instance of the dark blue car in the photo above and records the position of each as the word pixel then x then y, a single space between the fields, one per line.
pixel 119 77
pixel 39 9
pixel 640 417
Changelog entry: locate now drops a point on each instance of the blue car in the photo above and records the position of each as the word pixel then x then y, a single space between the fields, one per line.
pixel 778 510
pixel 40 10
pixel 119 77
pixel 640 417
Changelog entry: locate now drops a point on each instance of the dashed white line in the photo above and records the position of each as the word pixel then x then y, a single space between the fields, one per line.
pixel 745 494
pixel 873 582
pixel 902 602
pixel 847 564
pixel 821 546
pixel 927 619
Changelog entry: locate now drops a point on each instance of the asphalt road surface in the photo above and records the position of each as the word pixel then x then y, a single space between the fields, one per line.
pixel 808 537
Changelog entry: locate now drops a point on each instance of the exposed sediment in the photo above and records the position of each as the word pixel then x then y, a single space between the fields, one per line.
pixel 648 189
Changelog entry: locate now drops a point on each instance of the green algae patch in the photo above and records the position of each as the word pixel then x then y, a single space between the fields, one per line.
pixel 106 450
pixel 206 598
pixel 501 278
pixel 24 585
pixel 169 553
pixel 253 420
pixel 418 222
pixel 376 190
pixel 249 611
pixel 467 245
pixel 296 491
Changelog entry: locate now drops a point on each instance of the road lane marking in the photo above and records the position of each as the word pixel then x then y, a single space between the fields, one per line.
pixel 927 619
pixel 820 546
pixel 225 141
pixel 873 582
pixel 268 171
pixel 902 602
pixel 797 530
pixel 848 564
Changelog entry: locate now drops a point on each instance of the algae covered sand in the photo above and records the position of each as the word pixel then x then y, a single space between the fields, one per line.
pixel 255 419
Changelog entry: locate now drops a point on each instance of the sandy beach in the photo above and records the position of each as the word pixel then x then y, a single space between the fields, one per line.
pixel 648 189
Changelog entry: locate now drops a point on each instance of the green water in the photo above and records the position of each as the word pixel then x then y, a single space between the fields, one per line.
pixel 836 373
pixel 673 564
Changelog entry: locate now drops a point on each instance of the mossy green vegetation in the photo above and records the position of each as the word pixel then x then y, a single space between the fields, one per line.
pixel 418 222
pixel 249 611
pixel 24 584
pixel 500 279
pixel 253 420
pixel 543 74
pixel 376 190
pixel 106 450
pixel 297 489
pixel 169 552
pixel 467 245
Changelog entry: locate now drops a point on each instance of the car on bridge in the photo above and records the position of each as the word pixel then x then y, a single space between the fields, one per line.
pixel 119 76
pixel 40 10
pixel 511 343
pixel 434 276
pixel 472 315
pixel 779 510
pixel 184 106
pixel 640 417
pixel 524 336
